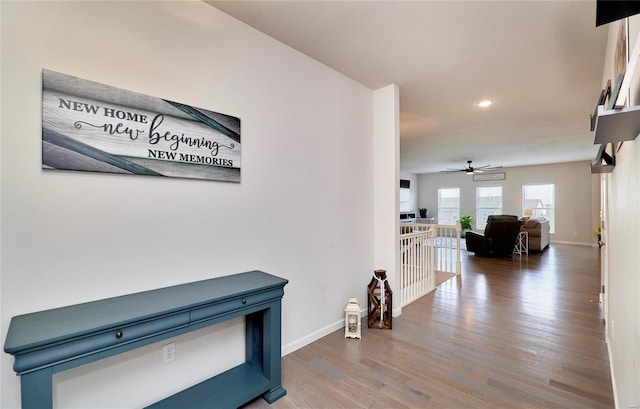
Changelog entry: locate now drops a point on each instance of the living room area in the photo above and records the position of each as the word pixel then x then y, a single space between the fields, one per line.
pixel 576 195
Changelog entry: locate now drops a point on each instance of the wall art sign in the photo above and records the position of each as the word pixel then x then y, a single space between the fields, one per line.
pixel 89 126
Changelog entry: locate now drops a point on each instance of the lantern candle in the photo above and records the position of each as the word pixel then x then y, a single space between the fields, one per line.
pixel 379 303
pixel 352 319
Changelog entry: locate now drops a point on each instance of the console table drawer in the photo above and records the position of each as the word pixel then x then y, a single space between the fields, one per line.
pixel 61 351
pixel 220 308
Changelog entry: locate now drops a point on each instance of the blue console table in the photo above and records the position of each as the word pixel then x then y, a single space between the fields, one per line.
pixel 51 341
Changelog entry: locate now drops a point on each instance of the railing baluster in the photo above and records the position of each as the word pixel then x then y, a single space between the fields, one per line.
pixel 423 251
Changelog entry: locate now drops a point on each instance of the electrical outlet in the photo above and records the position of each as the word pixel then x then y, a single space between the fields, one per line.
pixel 169 352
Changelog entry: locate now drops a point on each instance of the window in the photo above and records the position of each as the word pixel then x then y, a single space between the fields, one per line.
pixel 448 205
pixel 540 200
pixel 488 202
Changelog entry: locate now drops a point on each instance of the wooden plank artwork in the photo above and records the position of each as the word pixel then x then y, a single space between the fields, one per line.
pixel 94 127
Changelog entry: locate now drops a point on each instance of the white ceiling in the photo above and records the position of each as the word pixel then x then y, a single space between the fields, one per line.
pixel 540 61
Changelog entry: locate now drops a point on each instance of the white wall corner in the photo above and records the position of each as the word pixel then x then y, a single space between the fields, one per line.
pixel 386 146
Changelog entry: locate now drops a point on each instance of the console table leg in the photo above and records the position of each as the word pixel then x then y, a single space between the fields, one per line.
pixel 37 389
pixel 272 357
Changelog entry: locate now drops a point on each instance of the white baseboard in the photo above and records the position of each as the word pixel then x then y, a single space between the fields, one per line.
pixel 396 312
pixel 612 372
pixel 314 336
pixel 323 332
pixel 573 243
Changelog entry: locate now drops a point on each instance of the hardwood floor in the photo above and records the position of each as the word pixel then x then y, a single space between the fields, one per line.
pixel 521 332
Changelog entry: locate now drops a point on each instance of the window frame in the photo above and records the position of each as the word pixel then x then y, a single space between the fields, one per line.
pixel 548 211
pixel 456 212
pixel 481 221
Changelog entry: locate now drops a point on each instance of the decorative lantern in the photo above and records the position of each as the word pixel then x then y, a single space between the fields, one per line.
pixel 352 319
pixel 380 301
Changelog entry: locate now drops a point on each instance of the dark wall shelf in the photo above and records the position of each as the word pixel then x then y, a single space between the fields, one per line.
pixel 617 125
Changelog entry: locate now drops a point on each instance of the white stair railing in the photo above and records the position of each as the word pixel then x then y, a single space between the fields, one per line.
pixel 425 249
pixel 448 248
pixel 417 276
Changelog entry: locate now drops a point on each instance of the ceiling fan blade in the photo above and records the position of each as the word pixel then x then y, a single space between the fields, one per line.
pixel 471 169
pixel 488 167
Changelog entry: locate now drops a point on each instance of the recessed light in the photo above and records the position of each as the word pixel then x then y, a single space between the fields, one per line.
pixel 485 103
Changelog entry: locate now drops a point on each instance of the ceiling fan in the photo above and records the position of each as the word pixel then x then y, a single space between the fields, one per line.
pixel 470 170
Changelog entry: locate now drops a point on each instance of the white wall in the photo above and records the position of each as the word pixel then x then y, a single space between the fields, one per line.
pixel 623 327
pixel 304 209
pixel 412 203
pixel 573 188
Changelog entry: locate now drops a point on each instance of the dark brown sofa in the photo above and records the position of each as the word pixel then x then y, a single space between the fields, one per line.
pixel 499 236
